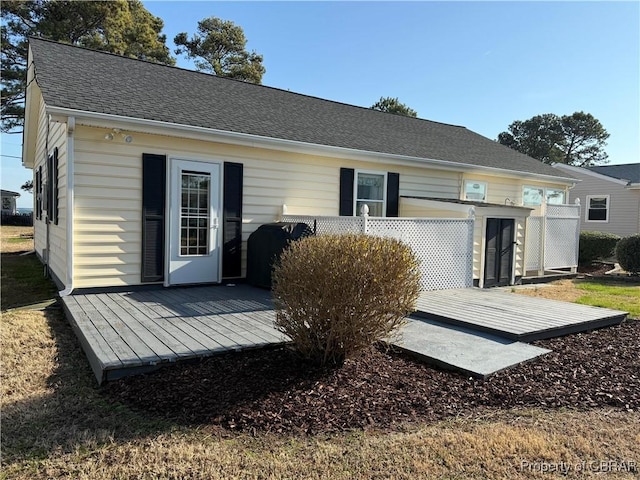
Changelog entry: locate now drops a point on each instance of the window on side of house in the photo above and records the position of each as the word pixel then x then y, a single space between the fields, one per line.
pixel 475 191
pixel 371 190
pixel 597 209
pixel 555 196
pixel 532 196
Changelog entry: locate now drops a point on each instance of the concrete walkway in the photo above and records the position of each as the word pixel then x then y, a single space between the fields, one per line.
pixel 472 352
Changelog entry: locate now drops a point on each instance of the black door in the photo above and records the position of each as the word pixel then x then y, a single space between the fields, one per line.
pixel 498 259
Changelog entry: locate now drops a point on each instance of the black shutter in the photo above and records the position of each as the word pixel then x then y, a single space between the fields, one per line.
pixel 39 193
pixel 154 171
pixel 393 194
pixel 346 192
pixel 54 188
pixel 232 220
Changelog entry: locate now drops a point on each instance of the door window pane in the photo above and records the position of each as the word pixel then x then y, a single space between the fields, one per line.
pixel 195 213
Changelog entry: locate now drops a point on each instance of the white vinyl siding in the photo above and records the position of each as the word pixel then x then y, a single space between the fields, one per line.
pixel 108 193
pixel 624 204
pixel 56 256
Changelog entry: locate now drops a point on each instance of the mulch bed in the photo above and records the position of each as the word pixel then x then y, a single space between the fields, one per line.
pixel 273 391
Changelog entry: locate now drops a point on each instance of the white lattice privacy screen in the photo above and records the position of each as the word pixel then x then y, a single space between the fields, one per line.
pixel 444 246
pixel 552 240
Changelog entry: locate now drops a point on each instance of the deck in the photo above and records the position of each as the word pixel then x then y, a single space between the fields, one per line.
pixel 516 317
pixel 126 332
pixel 136 330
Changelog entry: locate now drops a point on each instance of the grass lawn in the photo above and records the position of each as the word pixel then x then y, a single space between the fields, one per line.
pixel 56 424
pixel 16 239
pixel 618 296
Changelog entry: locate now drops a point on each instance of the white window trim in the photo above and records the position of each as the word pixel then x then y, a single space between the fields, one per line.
pixel 534 187
pixel 544 194
pixel 464 190
pixel 587 208
pixel 355 190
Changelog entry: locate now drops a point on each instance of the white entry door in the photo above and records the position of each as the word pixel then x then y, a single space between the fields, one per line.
pixel 194 221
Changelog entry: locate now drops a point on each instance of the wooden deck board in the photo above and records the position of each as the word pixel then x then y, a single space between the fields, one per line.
pixel 513 316
pixel 128 332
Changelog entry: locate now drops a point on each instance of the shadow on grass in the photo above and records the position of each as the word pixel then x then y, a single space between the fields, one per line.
pixel 70 412
pixel 75 413
pixel 23 281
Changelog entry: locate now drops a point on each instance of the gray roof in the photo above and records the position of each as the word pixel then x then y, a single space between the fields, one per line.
pixel 628 171
pixel 9 193
pixel 87 80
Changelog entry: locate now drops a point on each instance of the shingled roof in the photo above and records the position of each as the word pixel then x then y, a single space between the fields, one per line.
pixel 87 80
pixel 629 171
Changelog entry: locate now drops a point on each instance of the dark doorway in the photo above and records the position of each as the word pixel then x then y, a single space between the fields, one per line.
pixel 498 259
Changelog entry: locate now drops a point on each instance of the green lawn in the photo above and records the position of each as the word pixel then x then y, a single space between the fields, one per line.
pixel 617 296
pixel 24 282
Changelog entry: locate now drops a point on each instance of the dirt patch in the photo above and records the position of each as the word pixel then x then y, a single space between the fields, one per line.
pixel 273 391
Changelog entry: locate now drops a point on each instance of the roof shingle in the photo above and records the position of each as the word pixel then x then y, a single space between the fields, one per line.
pixel 87 80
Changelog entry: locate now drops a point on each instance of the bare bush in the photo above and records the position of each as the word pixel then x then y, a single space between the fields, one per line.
pixel 338 294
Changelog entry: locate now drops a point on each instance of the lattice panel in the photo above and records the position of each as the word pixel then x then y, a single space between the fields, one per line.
pixel 329 225
pixel 533 244
pixel 444 246
pixel 561 242
pixel 565 211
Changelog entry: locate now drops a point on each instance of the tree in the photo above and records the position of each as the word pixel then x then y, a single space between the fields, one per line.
pixel 219 48
pixel 123 27
pixel 27 186
pixel 393 105
pixel 578 139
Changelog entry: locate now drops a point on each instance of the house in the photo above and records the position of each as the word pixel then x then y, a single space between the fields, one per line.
pixel 609 195
pixel 145 173
pixel 9 202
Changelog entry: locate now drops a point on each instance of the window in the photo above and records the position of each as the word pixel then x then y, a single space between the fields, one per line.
pixel 370 191
pixel 52 193
pixel 555 196
pixel 597 208
pixel 194 213
pixel 476 191
pixel 532 196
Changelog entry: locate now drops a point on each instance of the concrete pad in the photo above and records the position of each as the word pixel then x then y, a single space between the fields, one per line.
pixel 472 352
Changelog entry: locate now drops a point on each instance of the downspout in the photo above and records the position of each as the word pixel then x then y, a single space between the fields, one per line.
pixel 71 126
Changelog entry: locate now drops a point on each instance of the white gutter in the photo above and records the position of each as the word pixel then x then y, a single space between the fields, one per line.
pixel 71 125
pixel 157 127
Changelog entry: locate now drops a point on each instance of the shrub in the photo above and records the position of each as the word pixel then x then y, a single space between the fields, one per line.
pixel 338 294
pixel 628 253
pixel 596 245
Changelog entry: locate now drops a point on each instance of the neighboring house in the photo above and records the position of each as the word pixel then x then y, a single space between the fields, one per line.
pixel 146 173
pixel 9 202
pixel 610 197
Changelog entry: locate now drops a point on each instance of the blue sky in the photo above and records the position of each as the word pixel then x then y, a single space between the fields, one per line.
pixel 478 64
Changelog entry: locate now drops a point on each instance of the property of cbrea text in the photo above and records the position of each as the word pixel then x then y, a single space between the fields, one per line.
pixel 594 466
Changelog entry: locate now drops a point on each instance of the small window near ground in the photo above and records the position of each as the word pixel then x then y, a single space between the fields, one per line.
pixel 475 191
pixel 597 208
pixel 370 191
